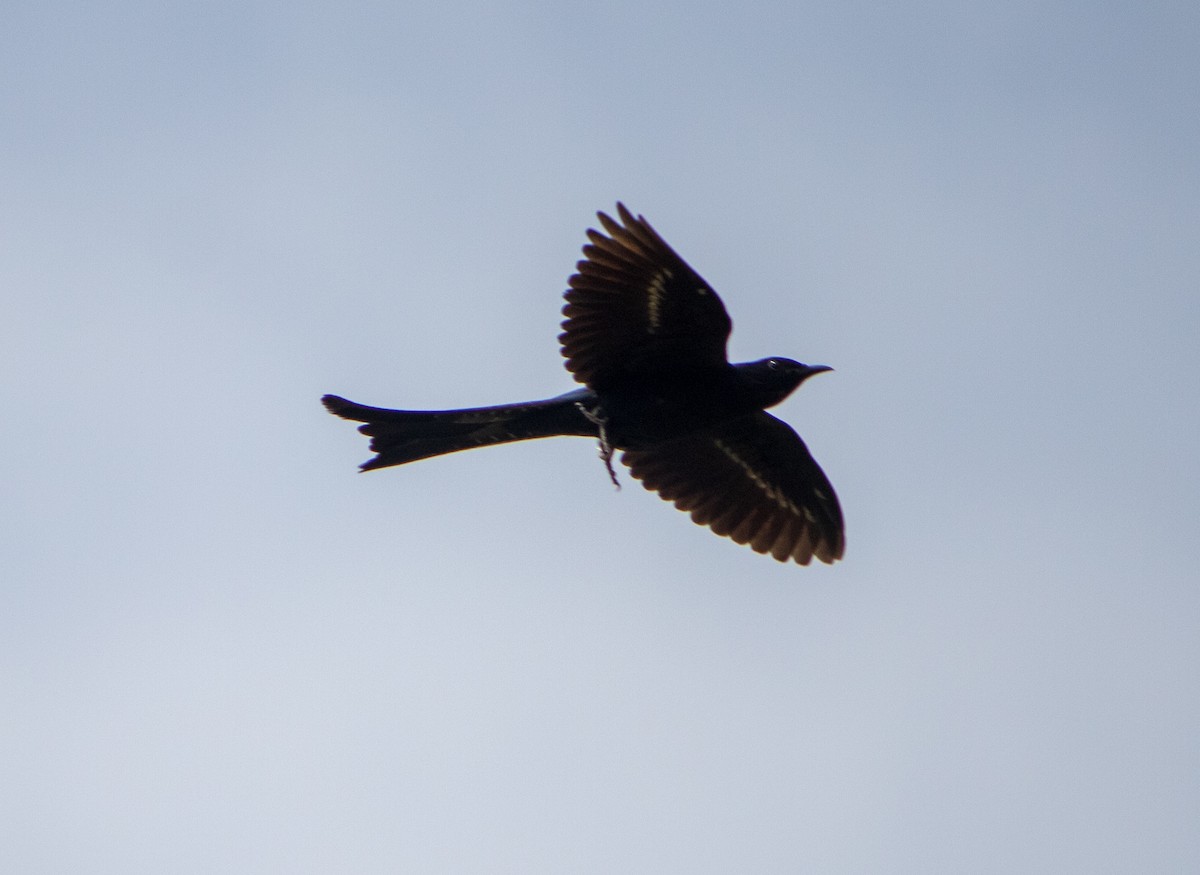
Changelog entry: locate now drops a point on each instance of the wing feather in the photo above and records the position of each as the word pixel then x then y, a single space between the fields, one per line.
pixel 751 480
pixel 636 307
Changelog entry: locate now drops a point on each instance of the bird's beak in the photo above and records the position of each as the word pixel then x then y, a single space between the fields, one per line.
pixel 817 369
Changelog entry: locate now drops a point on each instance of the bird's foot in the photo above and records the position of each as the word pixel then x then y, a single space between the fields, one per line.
pixel 606 449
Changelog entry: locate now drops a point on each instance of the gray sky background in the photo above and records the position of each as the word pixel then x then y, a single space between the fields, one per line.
pixel 225 651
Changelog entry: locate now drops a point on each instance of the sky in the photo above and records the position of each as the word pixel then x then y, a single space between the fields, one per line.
pixel 224 650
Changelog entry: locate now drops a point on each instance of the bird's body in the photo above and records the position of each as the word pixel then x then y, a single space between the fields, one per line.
pixel 647 335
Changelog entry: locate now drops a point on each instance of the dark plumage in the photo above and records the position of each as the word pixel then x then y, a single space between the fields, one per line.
pixel 646 335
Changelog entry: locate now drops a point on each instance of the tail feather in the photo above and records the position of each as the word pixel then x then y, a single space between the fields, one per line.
pixel 400 436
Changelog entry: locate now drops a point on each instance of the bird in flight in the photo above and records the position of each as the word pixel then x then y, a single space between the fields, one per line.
pixel 646 336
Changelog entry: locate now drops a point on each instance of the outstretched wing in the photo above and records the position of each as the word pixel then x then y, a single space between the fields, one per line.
pixel 751 480
pixel 636 307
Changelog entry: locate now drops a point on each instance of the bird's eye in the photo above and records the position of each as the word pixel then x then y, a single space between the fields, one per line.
pixel 773 364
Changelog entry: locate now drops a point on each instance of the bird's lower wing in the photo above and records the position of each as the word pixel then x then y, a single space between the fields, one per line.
pixel 752 480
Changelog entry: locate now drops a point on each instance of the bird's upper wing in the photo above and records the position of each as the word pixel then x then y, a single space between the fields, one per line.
pixel 751 480
pixel 636 307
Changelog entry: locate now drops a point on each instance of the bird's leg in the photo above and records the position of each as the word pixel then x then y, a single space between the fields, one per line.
pixel 606 449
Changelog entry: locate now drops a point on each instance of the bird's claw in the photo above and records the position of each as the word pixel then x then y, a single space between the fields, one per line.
pixel 606 448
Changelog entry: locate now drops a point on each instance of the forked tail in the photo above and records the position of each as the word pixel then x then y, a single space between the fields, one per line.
pixel 400 436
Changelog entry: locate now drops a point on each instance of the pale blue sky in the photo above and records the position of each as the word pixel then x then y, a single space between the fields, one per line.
pixel 225 651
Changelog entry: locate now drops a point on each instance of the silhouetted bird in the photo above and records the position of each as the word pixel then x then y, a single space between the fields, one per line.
pixel 646 336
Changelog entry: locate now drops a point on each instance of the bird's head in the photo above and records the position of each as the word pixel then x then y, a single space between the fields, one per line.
pixel 776 378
